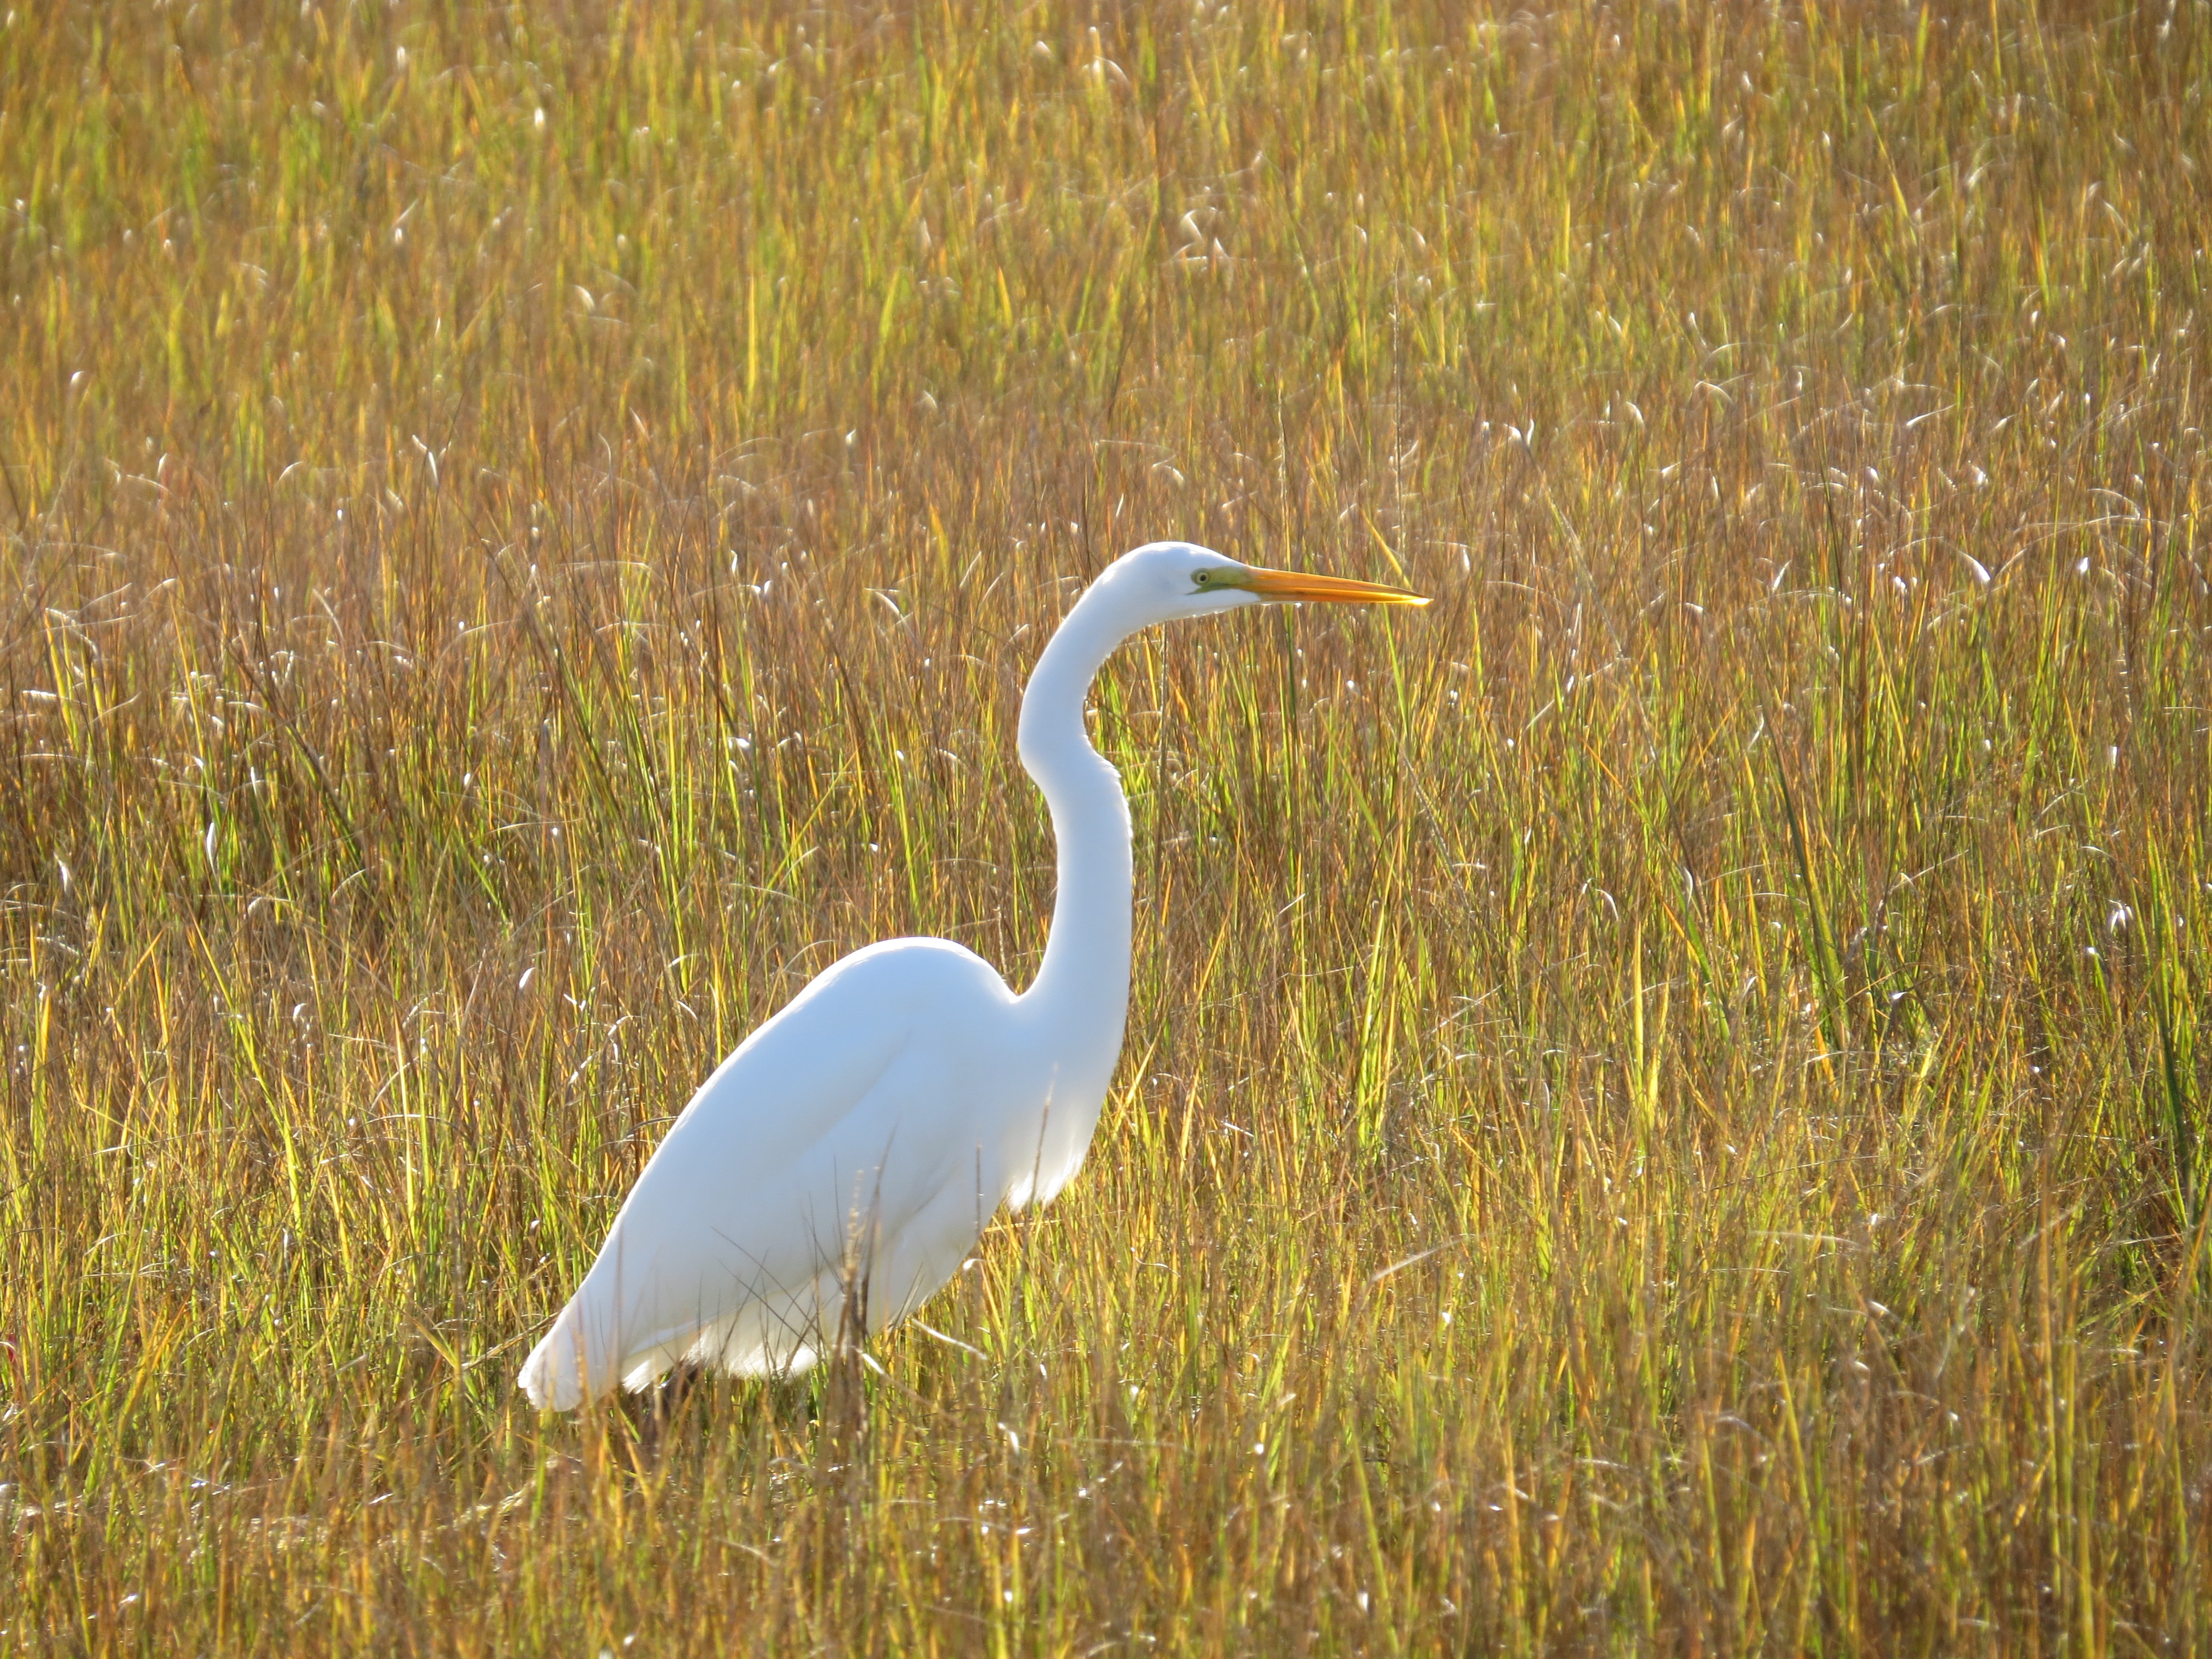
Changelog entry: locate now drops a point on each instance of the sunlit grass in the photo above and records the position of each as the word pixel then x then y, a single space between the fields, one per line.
pixel 1664 1109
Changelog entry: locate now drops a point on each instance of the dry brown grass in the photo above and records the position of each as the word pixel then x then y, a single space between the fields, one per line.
pixel 1663 1111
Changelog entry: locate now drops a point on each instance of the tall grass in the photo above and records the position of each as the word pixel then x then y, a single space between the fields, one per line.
pixel 1664 1110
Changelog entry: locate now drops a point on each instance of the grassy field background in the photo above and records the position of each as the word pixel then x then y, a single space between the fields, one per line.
pixel 1666 1107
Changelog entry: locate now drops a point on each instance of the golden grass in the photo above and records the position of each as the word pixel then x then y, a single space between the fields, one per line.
pixel 1663 1111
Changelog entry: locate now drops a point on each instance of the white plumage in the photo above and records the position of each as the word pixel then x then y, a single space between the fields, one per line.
pixel 865 1133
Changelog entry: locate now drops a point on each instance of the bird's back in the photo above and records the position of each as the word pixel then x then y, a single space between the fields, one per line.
pixel 863 1133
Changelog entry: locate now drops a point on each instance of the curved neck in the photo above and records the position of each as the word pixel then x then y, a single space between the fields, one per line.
pixel 1085 972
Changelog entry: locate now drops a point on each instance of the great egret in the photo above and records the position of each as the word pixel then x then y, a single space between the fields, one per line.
pixel 864 1134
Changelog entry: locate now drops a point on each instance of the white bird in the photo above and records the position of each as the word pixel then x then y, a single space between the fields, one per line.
pixel 856 1143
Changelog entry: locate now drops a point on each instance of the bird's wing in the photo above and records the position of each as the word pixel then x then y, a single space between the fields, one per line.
pixel 713 1229
pixel 854 1107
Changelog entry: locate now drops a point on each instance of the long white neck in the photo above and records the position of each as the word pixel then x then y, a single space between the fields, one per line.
pixel 1083 986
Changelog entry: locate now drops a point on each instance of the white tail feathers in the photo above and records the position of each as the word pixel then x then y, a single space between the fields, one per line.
pixel 560 1374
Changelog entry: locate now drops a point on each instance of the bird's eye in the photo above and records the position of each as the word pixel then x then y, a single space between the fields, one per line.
pixel 1202 578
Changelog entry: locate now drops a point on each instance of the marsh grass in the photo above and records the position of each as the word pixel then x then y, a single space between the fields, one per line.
pixel 1664 1110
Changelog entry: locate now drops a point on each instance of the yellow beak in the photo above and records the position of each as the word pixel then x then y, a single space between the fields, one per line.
pixel 1291 586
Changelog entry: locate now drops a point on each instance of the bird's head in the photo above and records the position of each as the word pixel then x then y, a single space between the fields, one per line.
pixel 1171 580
